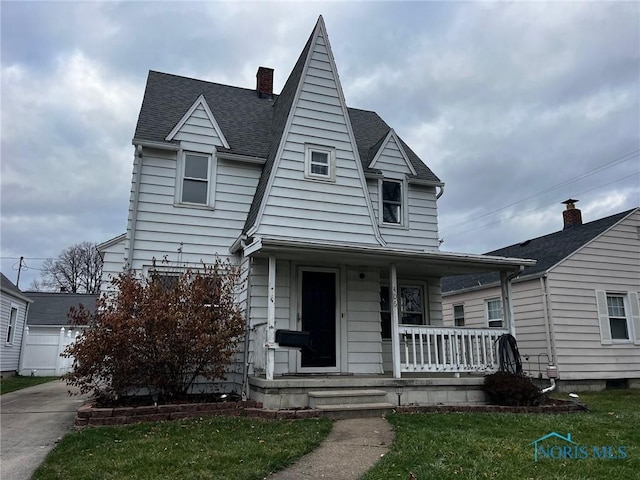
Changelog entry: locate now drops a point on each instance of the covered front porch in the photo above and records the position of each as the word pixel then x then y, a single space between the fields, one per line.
pixel 413 352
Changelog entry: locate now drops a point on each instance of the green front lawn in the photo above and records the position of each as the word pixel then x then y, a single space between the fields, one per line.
pixel 11 384
pixel 497 446
pixel 206 448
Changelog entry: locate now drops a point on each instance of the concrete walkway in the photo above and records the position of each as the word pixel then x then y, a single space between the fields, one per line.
pixel 352 448
pixel 32 420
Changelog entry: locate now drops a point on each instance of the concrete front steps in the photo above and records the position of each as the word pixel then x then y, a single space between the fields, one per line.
pixel 350 403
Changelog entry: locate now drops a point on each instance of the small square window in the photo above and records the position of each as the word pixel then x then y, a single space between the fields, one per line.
pixel 319 163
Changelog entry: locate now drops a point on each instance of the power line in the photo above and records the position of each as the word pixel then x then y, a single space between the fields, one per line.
pixel 536 208
pixel 610 164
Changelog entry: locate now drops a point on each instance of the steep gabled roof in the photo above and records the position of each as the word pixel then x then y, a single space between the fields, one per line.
pixel 548 250
pixel 7 286
pixel 52 308
pixel 252 126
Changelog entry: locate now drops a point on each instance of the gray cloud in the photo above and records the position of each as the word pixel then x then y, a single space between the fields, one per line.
pixel 501 100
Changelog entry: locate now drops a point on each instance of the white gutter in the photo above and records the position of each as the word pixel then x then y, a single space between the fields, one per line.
pixel 330 247
pixel 157 145
pixel 241 158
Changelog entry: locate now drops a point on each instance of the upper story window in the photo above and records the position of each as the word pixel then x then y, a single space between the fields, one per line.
pixel 196 179
pixel 392 200
pixel 320 163
pixel 493 310
pixel 458 315
pixel 11 328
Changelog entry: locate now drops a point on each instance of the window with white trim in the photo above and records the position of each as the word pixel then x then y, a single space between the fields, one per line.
pixel 392 199
pixel 11 327
pixel 458 315
pixel 493 311
pixel 411 307
pixel 196 179
pixel 618 319
pixel 319 163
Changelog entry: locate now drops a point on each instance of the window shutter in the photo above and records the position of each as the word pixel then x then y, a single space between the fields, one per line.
pixel 635 316
pixel 603 317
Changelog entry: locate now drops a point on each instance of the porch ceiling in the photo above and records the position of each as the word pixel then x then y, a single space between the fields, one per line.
pixel 429 263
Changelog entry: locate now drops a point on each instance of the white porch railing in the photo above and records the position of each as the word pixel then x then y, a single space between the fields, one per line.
pixel 440 349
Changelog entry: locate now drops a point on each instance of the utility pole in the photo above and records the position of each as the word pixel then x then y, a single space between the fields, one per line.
pixel 19 270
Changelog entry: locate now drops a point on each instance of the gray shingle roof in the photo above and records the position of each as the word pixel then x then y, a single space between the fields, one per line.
pixel 252 125
pixel 8 286
pixel 52 308
pixel 548 250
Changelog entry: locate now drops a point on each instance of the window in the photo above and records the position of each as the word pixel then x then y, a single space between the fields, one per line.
pixel 392 211
pixel 11 328
pixel 319 163
pixel 458 315
pixel 617 317
pixel 411 308
pixel 196 179
pixel 494 313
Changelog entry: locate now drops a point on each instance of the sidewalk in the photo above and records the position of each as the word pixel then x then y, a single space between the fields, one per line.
pixel 352 448
pixel 32 421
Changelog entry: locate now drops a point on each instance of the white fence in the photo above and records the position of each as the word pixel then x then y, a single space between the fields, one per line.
pixel 434 349
pixel 41 349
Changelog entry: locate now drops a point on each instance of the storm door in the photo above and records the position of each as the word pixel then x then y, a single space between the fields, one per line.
pixel 318 317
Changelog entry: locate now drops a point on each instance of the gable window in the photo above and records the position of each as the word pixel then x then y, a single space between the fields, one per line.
pixel 411 308
pixel 493 310
pixel 392 208
pixel 11 328
pixel 196 179
pixel 319 163
pixel 458 315
pixel 617 317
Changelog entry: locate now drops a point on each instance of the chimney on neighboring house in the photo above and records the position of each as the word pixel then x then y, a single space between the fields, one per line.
pixel 264 82
pixel 572 216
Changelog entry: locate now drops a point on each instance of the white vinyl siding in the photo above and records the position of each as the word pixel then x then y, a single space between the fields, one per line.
pixel 363 322
pixel 421 232
pixel 10 351
pixel 188 234
pixel 11 326
pixel 314 210
pixel 198 133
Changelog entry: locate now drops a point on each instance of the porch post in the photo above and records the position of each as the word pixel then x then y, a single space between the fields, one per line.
pixel 395 333
pixel 507 307
pixel 271 318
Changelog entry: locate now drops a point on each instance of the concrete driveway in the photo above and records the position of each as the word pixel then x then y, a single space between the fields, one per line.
pixel 31 422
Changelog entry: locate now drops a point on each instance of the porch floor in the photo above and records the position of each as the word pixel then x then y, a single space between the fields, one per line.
pixel 292 391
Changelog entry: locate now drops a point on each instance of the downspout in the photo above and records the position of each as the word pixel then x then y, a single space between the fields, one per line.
pixel 545 314
pixel 439 194
pixel 137 163
pixel 552 369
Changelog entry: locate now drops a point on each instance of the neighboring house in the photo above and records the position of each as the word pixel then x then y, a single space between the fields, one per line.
pixel 577 307
pixel 331 216
pixel 50 330
pixel 15 308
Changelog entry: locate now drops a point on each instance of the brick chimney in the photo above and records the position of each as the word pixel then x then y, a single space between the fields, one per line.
pixel 264 82
pixel 572 216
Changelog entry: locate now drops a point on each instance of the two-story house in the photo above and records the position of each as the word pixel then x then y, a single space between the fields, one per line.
pixel 333 219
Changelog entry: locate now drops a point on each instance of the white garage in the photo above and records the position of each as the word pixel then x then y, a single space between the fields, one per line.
pixel 49 331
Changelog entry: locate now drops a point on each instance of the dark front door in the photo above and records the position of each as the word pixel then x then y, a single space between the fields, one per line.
pixel 319 318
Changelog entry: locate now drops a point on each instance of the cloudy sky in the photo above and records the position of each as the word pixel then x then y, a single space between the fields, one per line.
pixel 515 106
